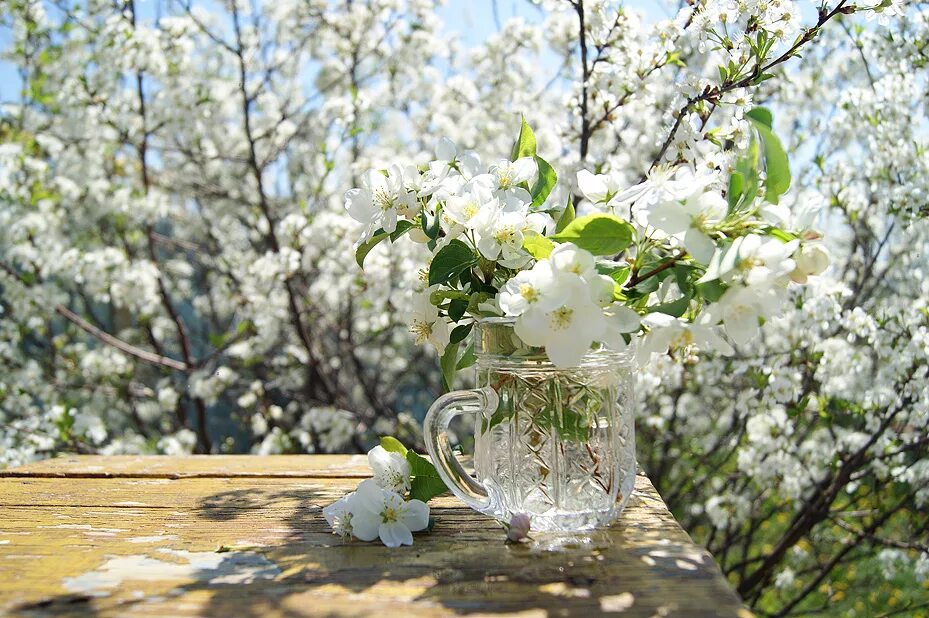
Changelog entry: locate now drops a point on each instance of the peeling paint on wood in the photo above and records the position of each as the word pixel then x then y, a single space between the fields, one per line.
pixel 209 567
pixel 244 536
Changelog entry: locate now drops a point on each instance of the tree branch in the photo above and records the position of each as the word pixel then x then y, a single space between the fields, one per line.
pixel 119 344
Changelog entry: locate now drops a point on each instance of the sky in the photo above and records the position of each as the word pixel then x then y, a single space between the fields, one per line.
pixel 472 20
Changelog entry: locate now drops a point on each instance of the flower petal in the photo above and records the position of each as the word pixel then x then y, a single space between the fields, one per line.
pixel 336 508
pixel 699 245
pixel 741 324
pixel 593 186
pixel 378 459
pixel 389 220
pixel 567 351
pixel 524 168
pixel 415 515
pixel 395 534
pixel 369 498
pixel 669 217
pixel 359 204
pixel 531 327
pixel 713 340
pixel 365 525
pixel 445 150
pixel 622 318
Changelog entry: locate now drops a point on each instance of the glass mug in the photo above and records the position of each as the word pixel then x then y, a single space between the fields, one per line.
pixel 555 444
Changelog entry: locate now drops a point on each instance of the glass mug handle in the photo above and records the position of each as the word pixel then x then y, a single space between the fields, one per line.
pixel 435 427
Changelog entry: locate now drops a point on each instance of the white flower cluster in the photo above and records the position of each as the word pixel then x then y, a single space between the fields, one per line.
pixel 563 304
pixel 489 206
pixel 493 241
pixel 377 509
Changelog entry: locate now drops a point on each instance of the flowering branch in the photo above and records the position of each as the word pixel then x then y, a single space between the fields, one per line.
pixel 713 93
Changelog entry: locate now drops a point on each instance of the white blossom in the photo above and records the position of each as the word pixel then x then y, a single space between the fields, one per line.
pixel 379 513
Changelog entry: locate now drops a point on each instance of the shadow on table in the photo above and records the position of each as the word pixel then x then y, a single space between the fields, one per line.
pixel 461 567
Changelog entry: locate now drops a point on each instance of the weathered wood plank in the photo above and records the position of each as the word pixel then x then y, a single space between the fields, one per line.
pixel 149 546
pixel 163 466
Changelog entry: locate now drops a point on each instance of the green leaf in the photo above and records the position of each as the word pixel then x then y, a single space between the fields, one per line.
pixel 448 362
pixel 674 58
pixel 393 445
pixel 431 224
pixel 467 359
pixel 546 182
pixel 782 235
pixel 477 298
pixel 762 115
pixel 457 308
pixel 440 296
pixel 645 287
pixel 570 425
pixel 601 234
pixel 460 333
pixel 425 482
pixel 734 193
pixel 777 168
pixel 747 166
pixel 566 217
pixel 674 308
pixel 711 290
pixel 763 78
pixel 573 426
pixel 365 248
pixel 538 246
pixel 619 274
pixel 723 261
pixel 403 226
pixel 451 260
pixel 525 144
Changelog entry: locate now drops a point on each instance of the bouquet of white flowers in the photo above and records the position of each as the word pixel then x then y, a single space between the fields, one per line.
pixel 683 260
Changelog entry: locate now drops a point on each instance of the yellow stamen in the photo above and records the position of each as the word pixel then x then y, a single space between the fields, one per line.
pixel 561 318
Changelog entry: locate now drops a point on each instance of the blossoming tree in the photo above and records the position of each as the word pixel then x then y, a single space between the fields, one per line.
pixel 177 272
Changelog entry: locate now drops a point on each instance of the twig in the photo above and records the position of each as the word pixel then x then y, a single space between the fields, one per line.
pixel 119 344
pixel 585 77
pixel 636 279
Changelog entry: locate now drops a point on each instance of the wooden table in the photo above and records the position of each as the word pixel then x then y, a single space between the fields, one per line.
pixel 244 536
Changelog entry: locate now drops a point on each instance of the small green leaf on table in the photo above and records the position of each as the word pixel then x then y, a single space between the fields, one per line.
pixel 393 445
pixel 425 482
